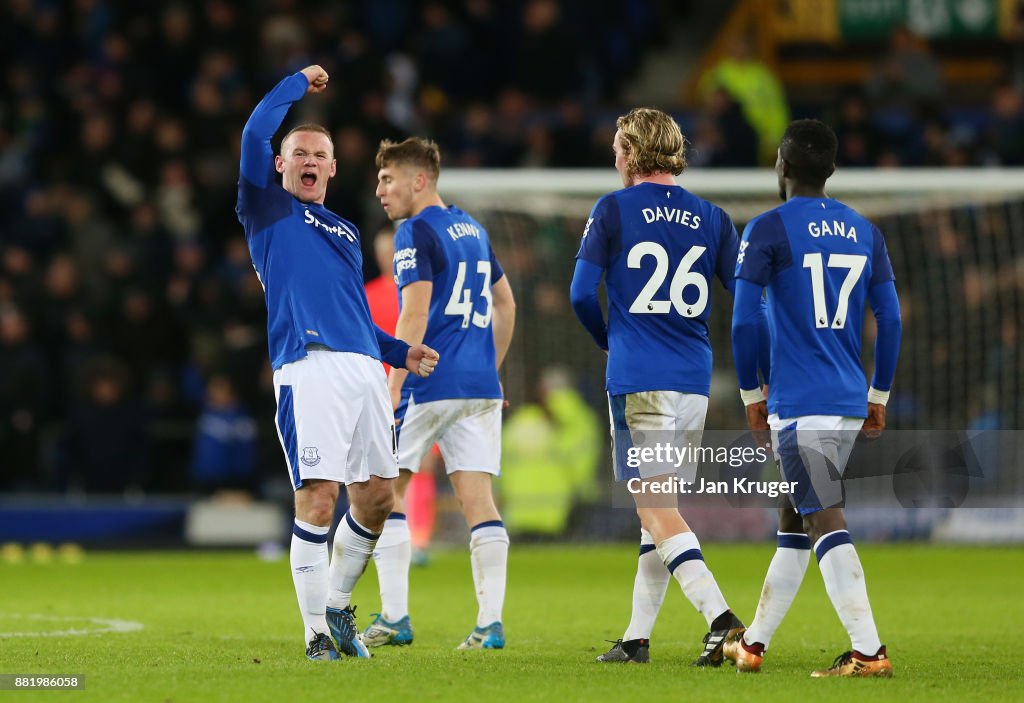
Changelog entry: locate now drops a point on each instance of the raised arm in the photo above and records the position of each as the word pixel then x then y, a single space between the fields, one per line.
pixel 257 164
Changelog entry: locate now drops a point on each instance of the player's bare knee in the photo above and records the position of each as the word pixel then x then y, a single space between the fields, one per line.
pixel 377 501
pixel 315 501
pixel 820 523
pixel 401 486
pixel 790 520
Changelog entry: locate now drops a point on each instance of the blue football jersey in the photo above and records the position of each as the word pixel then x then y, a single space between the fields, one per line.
pixel 307 258
pixel 659 246
pixel 818 259
pixel 451 249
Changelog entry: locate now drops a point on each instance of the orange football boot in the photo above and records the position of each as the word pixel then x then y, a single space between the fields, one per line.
pixel 854 663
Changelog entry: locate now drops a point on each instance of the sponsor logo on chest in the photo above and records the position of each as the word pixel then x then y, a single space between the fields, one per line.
pixel 339 230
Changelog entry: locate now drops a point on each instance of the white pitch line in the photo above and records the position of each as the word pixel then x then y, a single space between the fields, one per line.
pixel 102 625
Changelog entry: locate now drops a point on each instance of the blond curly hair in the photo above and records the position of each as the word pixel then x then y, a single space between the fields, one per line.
pixel 652 141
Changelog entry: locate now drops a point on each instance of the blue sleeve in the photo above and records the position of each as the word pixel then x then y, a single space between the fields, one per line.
pixel 764 250
pixel 886 306
pixel 764 343
pixel 881 267
pixel 747 324
pixel 496 271
pixel 726 271
pixel 601 237
pixel 728 251
pixel 257 165
pixel 583 294
pixel 392 350
pixel 417 254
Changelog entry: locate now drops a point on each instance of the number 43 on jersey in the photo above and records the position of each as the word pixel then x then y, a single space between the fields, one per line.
pixel 460 304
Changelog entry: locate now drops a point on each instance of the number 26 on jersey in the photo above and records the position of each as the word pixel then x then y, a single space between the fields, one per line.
pixel 645 304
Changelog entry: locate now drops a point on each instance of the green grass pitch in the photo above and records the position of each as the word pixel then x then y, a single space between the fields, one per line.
pixel 225 627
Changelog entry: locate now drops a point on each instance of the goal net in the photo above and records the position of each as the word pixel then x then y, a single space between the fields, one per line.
pixel 955 237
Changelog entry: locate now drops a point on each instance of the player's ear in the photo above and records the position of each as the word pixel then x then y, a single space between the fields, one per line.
pixel 420 182
pixel 830 172
pixel 334 167
pixel 279 164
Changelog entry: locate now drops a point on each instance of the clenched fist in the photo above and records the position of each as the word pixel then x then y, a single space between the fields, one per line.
pixel 421 360
pixel 317 78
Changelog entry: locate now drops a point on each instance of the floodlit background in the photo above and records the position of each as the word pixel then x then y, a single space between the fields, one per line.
pixel 136 402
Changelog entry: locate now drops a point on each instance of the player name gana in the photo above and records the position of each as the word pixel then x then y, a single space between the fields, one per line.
pixel 836 229
pixel 738 486
pixel 671 214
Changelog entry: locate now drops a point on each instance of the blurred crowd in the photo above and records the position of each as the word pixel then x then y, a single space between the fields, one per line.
pixel 129 311
pixel 132 340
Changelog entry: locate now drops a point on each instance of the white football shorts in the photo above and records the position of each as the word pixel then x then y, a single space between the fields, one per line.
pixel 642 423
pixel 812 451
pixel 334 418
pixel 467 430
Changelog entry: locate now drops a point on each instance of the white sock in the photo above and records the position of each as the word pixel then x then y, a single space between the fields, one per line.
pixel 781 583
pixel 392 556
pixel 681 554
pixel 844 583
pixel 649 589
pixel 353 545
pixel 488 553
pixel 309 574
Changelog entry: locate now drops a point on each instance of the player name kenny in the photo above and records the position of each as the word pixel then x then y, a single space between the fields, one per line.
pixel 463 229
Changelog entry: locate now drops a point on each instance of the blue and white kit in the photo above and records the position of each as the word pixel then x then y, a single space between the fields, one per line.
pixel 658 247
pixel 459 405
pixel 822 263
pixel 310 264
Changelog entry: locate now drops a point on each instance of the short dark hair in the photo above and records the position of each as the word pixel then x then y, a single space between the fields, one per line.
pixel 308 127
pixel 414 151
pixel 809 147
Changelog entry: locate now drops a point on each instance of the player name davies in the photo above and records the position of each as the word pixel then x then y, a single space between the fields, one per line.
pixel 463 229
pixel 835 229
pixel 671 214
